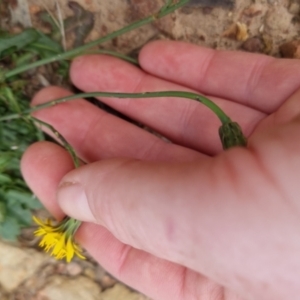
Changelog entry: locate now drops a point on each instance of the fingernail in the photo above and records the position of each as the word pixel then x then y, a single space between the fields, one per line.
pixel 73 201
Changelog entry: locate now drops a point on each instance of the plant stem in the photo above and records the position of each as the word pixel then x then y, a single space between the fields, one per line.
pixel 79 50
pixel 167 4
pixel 207 102
pixel 64 142
pixel 115 54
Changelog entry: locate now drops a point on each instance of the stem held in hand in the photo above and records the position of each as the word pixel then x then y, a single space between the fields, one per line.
pixel 230 132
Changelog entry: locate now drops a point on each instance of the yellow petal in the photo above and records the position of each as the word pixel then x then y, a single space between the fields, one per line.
pixel 70 249
pixel 37 221
pixel 61 244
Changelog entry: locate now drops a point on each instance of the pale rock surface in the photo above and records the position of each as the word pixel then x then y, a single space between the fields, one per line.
pixel 73 269
pixel 198 25
pixel 63 288
pixel 109 16
pixel 17 265
pixel 119 292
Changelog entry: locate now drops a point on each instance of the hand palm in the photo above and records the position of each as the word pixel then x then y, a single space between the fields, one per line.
pixel 241 84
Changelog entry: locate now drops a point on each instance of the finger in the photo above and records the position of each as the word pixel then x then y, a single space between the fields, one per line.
pixel 96 134
pixel 289 111
pixel 52 163
pixel 145 272
pixel 43 166
pixel 255 80
pixel 185 122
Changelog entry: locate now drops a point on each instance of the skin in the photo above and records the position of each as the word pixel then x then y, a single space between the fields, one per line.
pixel 181 220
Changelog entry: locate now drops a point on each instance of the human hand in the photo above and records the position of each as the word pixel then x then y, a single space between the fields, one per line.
pixel 182 220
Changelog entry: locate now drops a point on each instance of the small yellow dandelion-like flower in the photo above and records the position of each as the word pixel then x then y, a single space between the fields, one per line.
pixel 59 238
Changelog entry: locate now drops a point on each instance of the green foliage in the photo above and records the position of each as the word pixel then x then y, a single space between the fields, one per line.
pixel 10 44
pixel 16 200
pixel 28 46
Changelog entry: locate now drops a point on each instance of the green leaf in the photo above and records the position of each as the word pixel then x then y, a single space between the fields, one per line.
pixel 4 179
pixel 24 59
pixel 48 20
pixel 23 198
pixel 10 229
pixel 20 213
pixel 8 96
pixel 18 41
pixel 44 46
pixel 2 212
pixel 5 158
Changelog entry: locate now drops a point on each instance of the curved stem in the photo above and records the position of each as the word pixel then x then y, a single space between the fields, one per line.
pixel 207 102
pixel 64 142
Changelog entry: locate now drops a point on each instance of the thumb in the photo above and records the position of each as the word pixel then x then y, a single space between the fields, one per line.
pixel 184 212
pixel 121 193
pixel 145 204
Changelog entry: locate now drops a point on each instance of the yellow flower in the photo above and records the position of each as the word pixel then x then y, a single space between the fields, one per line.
pixel 59 239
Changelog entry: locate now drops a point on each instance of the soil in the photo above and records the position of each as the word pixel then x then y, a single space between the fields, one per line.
pixel 271 27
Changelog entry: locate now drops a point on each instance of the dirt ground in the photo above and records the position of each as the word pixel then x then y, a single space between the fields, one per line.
pixel 271 27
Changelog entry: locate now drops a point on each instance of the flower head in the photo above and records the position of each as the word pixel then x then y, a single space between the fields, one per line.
pixel 232 135
pixel 59 239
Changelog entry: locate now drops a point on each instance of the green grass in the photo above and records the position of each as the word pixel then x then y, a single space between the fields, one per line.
pixel 16 200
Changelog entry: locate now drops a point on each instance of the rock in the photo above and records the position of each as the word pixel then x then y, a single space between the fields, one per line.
pixel 99 273
pixel 254 44
pixel 63 288
pixel 73 269
pixel 34 9
pixel 253 10
pixel 20 13
pixel 290 49
pixel 294 8
pixel 278 19
pixel 268 43
pixel 17 265
pixel 90 273
pixel 120 291
pixel 61 268
pixel 237 31
pixel 107 281
pixel 3 295
pixel 143 8
pixel 242 31
pixel 37 281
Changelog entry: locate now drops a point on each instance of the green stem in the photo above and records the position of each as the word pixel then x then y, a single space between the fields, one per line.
pixel 72 225
pixel 207 102
pixel 64 142
pixel 79 50
pixel 167 5
pixel 115 54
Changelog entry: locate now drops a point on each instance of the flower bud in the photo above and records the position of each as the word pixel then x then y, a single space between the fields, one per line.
pixel 231 135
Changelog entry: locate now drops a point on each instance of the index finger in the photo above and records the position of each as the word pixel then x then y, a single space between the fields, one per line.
pixel 258 81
